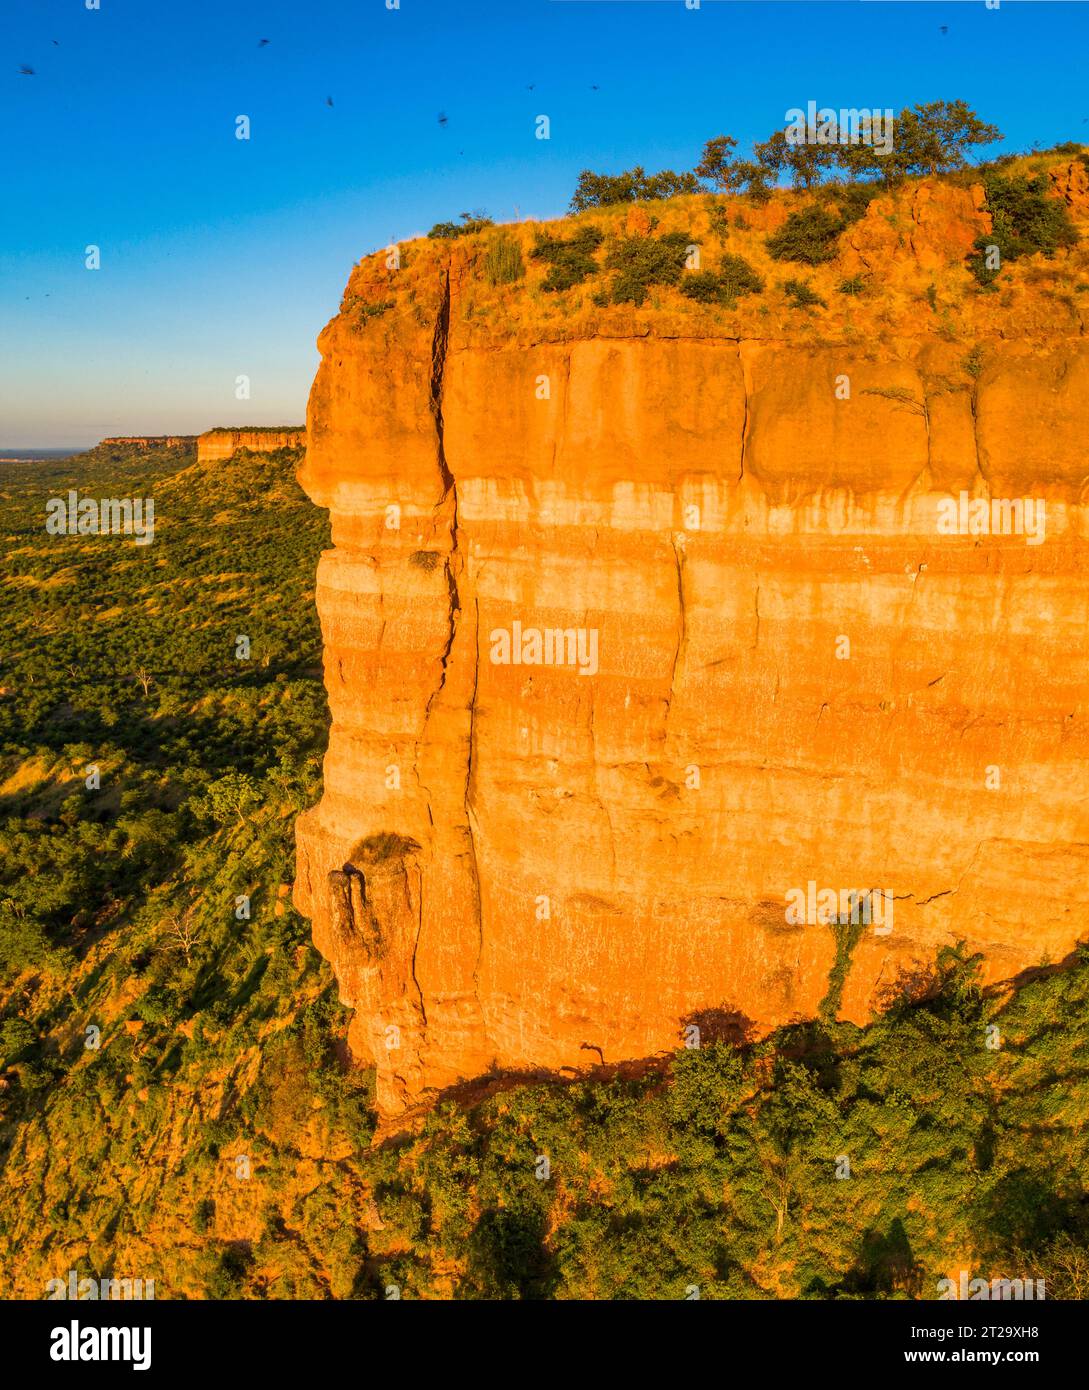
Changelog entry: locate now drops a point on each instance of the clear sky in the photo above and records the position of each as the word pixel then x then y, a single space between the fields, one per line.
pixel 223 257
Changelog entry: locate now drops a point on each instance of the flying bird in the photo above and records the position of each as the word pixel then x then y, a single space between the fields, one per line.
pixel 594 87
pixel 261 43
pixel 945 28
pixel 328 101
pixel 443 118
pixel 531 87
pixel 24 71
pixel 56 44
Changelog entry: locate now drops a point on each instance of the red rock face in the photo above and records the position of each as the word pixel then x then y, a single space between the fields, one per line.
pixel 782 671
pixel 221 444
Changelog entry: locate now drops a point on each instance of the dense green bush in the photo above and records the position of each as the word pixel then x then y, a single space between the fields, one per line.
pixel 570 260
pixel 810 236
pixel 643 261
pixel 470 222
pixel 734 277
pixel 852 200
pixel 725 1170
pixel 802 295
pixel 1024 220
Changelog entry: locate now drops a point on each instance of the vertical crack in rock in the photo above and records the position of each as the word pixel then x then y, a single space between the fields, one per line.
pixel 453 568
pixel 745 417
pixel 438 371
pixel 973 405
pixel 449 488
pixel 926 422
pixel 421 1002
pixel 682 625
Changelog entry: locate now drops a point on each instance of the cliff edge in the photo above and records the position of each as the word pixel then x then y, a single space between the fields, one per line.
pixel 647 626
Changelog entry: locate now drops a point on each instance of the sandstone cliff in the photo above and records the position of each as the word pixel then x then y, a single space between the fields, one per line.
pixel 799 677
pixel 148 441
pixel 222 443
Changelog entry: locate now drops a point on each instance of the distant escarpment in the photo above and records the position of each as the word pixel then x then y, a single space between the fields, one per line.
pixel 147 441
pixel 701 654
pixel 222 443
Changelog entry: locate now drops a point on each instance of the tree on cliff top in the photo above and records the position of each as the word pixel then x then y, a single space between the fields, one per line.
pixel 729 174
pixel 929 138
pixel 632 186
pixel 804 163
pixel 937 136
pixel 470 222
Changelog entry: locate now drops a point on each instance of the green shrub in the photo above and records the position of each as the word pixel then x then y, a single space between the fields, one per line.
pixel 17 1037
pixel 801 295
pixel 704 286
pixel 719 220
pixel 642 261
pixel 1024 220
pixel 361 311
pixel 853 200
pixel 159 1004
pixel 470 222
pixel 738 276
pixel 229 1274
pixel 569 262
pixel 503 263
pixel 734 277
pixel 854 285
pixel 809 236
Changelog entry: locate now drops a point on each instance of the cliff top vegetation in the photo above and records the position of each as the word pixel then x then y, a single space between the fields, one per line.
pixel 960 254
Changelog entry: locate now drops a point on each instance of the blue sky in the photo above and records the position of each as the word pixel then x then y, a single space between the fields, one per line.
pixel 223 257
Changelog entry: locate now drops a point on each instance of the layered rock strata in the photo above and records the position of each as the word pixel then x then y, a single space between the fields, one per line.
pixel 221 444
pixel 791 657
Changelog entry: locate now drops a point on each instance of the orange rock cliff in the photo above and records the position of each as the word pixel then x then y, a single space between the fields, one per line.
pixel 782 668
pixel 223 443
